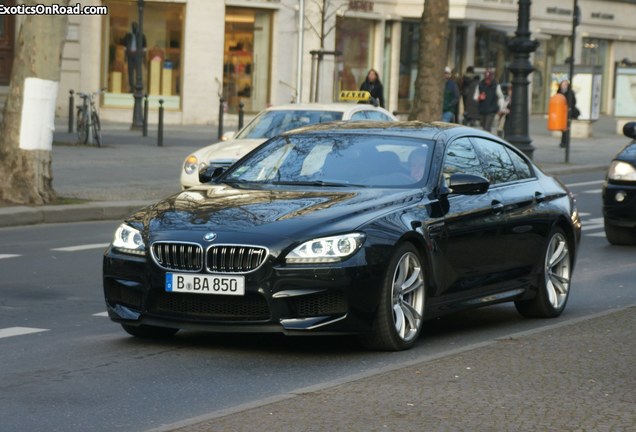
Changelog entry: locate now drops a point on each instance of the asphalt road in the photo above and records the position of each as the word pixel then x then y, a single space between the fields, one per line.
pixel 66 367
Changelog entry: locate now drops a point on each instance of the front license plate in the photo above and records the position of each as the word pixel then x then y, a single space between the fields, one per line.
pixel 205 284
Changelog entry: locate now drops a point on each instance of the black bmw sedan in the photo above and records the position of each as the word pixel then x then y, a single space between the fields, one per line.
pixel 619 193
pixel 348 228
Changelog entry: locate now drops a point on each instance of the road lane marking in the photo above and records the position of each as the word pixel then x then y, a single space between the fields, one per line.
pixel 587 183
pixel 82 247
pixel 593 191
pixel 19 331
pixel 101 314
pixel 3 256
pixel 591 224
pixel 596 234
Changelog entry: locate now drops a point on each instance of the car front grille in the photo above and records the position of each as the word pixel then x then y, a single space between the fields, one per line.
pixel 189 257
pixel 178 256
pixel 119 294
pixel 234 259
pixel 332 303
pixel 251 307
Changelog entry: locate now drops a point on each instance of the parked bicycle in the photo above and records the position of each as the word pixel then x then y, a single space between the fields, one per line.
pixel 88 125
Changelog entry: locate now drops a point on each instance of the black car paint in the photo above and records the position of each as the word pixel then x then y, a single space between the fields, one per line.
pixel 460 238
pixel 621 214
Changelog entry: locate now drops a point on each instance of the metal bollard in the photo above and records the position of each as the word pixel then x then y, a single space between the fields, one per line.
pixel 241 115
pixel 160 130
pixel 145 126
pixel 221 105
pixel 71 111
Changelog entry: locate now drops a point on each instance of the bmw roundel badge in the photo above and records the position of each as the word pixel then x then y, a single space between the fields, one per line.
pixel 211 236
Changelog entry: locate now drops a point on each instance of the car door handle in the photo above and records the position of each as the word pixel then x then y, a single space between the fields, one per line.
pixel 497 207
pixel 539 197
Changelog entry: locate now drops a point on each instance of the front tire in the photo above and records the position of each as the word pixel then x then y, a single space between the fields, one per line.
pixel 554 288
pixel 82 127
pixel 149 332
pixel 619 236
pixel 97 130
pixel 398 320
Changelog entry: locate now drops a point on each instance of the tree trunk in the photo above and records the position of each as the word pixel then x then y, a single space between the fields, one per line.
pixel 25 148
pixel 433 51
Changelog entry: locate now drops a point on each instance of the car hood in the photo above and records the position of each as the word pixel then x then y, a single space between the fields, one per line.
pixel 266 215
pixel 232 149
pixel 628 154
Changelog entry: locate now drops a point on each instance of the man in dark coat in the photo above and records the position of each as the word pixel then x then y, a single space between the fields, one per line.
pixel 132 47
pixel 490 98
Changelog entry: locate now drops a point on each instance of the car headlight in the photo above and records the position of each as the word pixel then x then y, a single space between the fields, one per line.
pixel 191 164
pixel 128 240
pixel 326 249
pixel 622 171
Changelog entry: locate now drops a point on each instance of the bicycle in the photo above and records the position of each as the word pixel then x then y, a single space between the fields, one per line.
pixel 87 119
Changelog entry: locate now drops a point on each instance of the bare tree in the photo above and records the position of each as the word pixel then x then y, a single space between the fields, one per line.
pixel 328 9
pixel 25 154
pixel 433 49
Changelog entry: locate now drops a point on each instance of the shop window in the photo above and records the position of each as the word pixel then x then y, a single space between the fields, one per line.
pixel 246 61
pixel 354 38
pixel 409 55
pixel 162 44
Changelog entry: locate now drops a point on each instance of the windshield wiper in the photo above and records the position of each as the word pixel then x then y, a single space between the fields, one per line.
pixel 315 183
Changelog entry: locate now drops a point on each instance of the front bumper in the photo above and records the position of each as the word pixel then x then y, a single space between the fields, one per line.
pixel 338 298
pixel 619 204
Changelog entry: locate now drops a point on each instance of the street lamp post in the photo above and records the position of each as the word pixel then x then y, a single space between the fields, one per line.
pixel 521 46
pixel 137 122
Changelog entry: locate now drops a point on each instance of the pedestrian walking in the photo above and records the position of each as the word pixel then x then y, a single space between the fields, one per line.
pixel 573 111
pixel 470 81
pixel 490 98
pixel 451 97
pixel 504 110
pixel 373 85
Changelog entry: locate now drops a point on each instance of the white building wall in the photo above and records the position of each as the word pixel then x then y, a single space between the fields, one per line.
pixel 204 26
pixel 204 35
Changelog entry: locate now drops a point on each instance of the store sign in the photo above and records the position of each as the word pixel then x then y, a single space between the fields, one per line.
pixel 361 5
pixel 558 11
pixel 603 16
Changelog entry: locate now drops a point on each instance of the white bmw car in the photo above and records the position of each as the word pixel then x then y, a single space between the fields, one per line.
pixel 269 123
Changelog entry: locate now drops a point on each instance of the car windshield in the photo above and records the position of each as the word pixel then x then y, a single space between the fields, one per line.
pixel 337 160
pixel 271 123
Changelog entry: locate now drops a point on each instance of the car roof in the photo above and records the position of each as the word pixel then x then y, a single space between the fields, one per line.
pixel 336 106
pixel 418 129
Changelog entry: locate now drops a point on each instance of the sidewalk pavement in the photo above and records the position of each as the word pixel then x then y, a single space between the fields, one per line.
pixel 575 375
pixel 130 171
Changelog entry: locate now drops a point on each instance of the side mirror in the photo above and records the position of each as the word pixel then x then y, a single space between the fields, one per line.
pixel 629 130
pixel 210 172
pixel 468 184
pixel 228 136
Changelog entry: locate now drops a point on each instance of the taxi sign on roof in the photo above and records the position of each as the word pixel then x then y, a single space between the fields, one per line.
pixel 354 95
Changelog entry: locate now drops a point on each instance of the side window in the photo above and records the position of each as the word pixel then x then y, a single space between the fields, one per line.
pixel 359 115
pixel 461 158
pixel 377 115
pixel 497 160
pixel 523 169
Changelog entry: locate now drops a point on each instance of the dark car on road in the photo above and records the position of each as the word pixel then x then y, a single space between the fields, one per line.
pixel 348 228
pixel 619 193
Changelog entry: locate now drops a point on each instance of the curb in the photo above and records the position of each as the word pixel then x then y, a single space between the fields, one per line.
pixel 95 211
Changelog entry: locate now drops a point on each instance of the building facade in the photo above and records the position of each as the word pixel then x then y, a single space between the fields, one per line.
pixel 196 52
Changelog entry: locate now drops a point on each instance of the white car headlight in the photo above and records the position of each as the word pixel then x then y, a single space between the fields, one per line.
pixel 622 171
pixel 326 249
pixel 191 164
pixel 128 240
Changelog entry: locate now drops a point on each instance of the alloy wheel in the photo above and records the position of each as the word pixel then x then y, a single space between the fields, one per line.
pixel 408 296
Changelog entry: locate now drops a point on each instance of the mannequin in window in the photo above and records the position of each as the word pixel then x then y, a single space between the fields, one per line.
pixel 132 46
